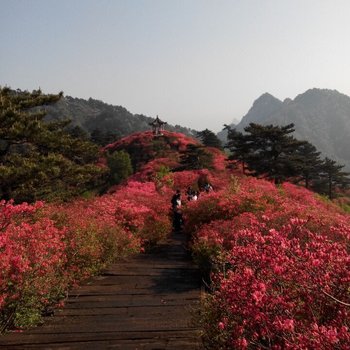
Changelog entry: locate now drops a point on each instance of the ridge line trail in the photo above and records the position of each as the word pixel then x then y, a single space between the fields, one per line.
pixel 143 302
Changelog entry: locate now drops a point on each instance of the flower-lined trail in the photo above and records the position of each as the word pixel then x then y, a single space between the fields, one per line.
pixel 144 302
pixel 276 260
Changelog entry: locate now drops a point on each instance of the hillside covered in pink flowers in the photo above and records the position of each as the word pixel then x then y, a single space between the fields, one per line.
pixel 275 259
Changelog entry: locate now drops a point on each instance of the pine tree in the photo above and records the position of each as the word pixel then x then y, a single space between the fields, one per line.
pixel 331 177
pixel 209 139
pixel 40 160
pixel 120 166
pixel 78 132
pixel 267 151
pixel 103 138
pixel 196 157
pixel 238 145
pixel 97 136
pixel 308 159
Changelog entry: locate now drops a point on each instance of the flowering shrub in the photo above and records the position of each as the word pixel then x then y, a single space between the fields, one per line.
pixel 230 200
pixel 219 158
pixel 144 147
pixel 32 258
pixel 141 209
pixel 280 285
pixel 280 267
pixel 47 248
pixel 158 170
pixel 277 257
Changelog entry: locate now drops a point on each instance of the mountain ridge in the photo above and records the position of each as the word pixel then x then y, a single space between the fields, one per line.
pixel 320 116
pixel 94 114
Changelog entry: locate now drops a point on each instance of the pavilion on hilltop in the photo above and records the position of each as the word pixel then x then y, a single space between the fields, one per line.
pixel 157 126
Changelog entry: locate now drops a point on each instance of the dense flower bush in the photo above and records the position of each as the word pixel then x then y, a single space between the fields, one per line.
pixel 47 248
pixel 280 267
pixel 141 210
pixel 219 158
pixel 32 257
pixel 144 147
pixel 276 258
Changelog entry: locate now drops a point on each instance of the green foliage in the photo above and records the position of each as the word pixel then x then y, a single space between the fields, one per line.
pixel 163 177
pixel 206 256
pixel 331 176
pixel 120 167
pixel 269 151
pixel 78 132
pixel 41 160
pixel 209 139
pixel 210 316
pixel 346 208
pixel 103 138
pixel 139 154
pixel 272 151
pixel 27 315
pixel 238 145
pixel 308 163
pixel 196 157
pixel 104 122
pixel 159 146
pixel 153 233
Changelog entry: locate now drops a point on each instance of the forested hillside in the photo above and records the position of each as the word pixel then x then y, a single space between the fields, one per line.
pixel 103 122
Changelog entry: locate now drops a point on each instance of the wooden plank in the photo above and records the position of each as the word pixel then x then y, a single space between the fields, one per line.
pixel 27 338
pixel 123 311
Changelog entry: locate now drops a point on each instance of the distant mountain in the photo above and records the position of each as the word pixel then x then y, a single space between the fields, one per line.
pixel 265 106
pixel 222 135
pixel 321 116
pixel 93 114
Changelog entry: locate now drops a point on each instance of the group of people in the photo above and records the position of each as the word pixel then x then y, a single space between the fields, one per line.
pixel 192 195
pixel 176 203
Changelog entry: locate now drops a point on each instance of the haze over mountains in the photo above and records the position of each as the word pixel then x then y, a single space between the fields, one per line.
pixel 320 116
pixel 93 114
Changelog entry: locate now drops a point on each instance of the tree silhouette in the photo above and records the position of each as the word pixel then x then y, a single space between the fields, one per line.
pixel 238 145
pixel 331 177
pixel 196 157
pixel 120 166
pixel 308 162
pixel 209 139
pixel 267 151
pixel 41 160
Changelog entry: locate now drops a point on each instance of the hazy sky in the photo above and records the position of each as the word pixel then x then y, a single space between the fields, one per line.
pixel 197 63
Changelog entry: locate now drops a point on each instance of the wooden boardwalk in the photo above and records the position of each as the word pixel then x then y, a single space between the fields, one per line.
pixel 146 302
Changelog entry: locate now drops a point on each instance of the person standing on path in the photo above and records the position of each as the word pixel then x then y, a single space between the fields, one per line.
pixel 177 212
pixel 176 199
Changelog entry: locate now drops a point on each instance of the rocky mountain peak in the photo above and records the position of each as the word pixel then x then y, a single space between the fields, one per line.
pixel 321 116
pixel 316 96
pixel 266 98
pixel 262 107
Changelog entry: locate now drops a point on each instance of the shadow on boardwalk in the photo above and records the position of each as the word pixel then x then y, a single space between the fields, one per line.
pixel 145 302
